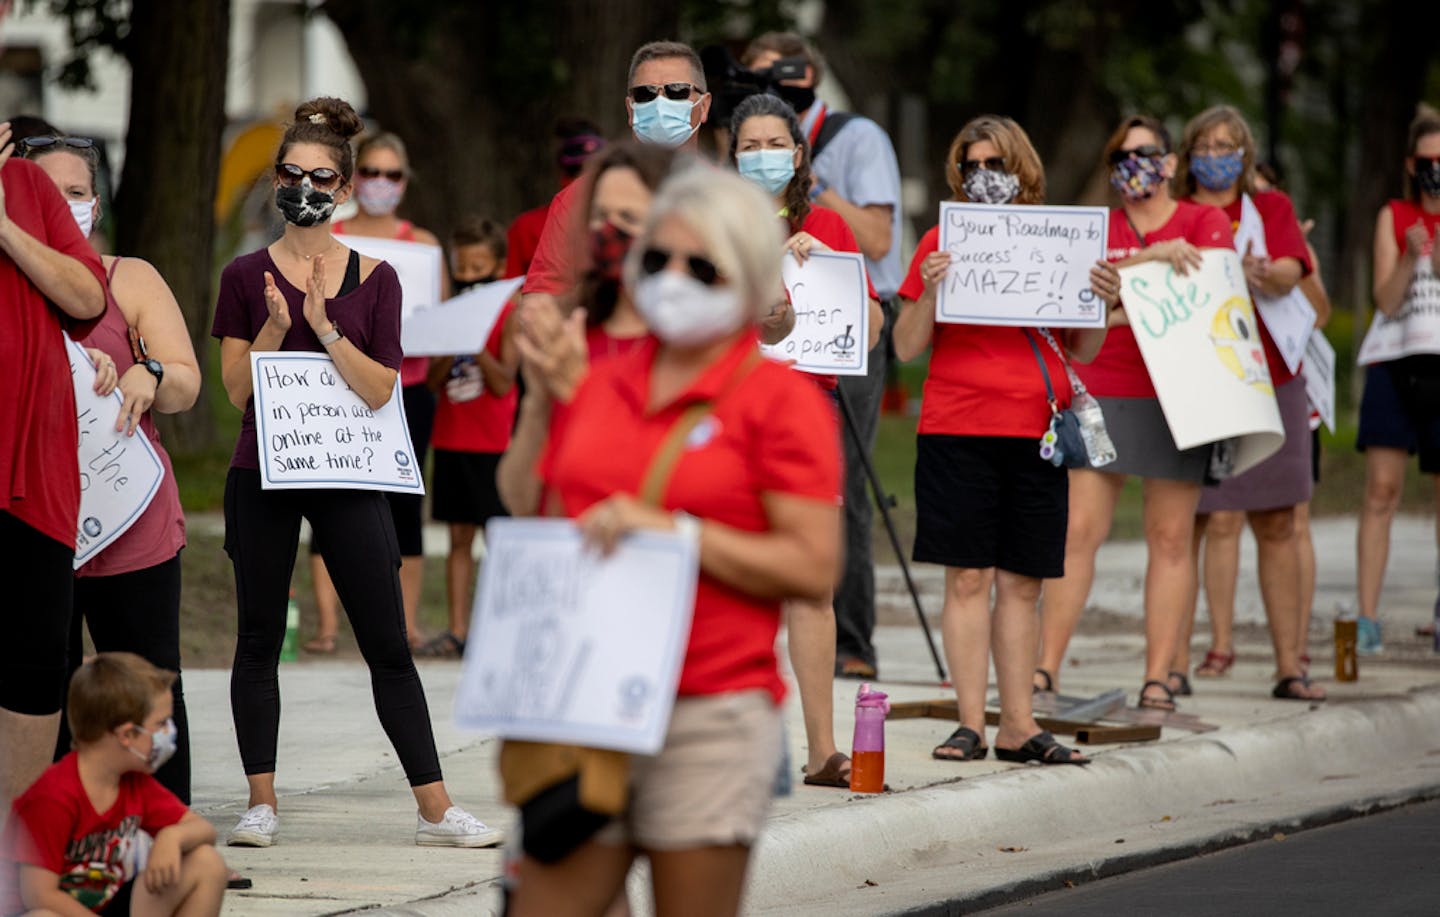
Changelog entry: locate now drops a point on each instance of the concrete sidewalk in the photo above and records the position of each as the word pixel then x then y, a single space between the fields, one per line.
pixel 974 834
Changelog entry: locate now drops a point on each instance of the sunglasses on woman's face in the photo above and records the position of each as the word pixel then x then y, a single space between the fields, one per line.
pixel 993 164
pixel 45 141
pixel 1148 151
pixel 372 172
pixel 291 175
pixel 654 260
pixel 675 92
pixel 1431 163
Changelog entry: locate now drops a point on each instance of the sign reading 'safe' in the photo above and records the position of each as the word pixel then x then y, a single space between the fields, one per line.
pixel 315 432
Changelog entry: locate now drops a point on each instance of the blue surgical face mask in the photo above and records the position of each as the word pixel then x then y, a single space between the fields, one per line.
pixel 663 122
pixel 1216 173
pixel 770 169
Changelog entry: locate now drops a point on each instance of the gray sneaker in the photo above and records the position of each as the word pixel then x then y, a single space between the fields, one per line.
pixel 457 829
pixel 257 828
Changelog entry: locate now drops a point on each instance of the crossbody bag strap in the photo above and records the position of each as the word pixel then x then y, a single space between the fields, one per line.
pixel 1049 389
pixel 667 456
pixel 1076 385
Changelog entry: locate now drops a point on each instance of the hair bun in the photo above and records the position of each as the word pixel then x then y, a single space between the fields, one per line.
pixel 336 114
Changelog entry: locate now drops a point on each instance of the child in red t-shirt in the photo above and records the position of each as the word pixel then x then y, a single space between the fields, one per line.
pixel 97 820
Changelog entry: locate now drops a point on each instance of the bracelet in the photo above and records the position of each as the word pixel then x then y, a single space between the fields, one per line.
pixel 332 336
pixel 688 526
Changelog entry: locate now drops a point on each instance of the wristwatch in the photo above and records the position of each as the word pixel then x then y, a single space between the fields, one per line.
pixel 155 368
pixel 334 335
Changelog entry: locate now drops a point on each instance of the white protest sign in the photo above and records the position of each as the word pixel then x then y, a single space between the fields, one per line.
pixel 832 314
pixel 1319 376
pixel 1198 335
pixel 314 432
pixel 1415 327
pixel 1021 265
pixel 459 325
pixel 1289 319
pixel 119 474
pixel 568 646
pixel 418 266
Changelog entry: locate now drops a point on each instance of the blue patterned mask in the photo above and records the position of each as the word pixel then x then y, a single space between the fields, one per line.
pixel 1216 173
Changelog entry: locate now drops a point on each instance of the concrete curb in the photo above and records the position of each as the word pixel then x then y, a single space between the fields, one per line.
pixel 819 854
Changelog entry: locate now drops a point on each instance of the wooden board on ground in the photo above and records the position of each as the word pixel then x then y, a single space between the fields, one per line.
pixel 1139 725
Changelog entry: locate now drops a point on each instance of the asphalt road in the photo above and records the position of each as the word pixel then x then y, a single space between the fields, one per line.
pixel 1385 865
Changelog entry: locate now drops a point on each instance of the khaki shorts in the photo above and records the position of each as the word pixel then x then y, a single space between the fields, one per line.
pixel 711 784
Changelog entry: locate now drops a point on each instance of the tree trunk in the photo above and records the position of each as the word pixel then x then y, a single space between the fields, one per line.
pixel 177 51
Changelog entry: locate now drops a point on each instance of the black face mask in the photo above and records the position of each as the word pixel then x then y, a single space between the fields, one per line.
pixel 304 206
pixel 799 97
pixel 460 286
pixel 1428 179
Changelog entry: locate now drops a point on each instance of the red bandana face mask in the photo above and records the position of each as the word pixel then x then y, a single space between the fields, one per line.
pixel 608 246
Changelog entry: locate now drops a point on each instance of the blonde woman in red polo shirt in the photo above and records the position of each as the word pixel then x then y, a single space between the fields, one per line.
pixel 757 486
pixel 990 509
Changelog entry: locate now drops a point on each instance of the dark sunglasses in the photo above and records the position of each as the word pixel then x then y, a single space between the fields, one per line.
pixel 993 164
pixel 372 172
pixel 48 140
pixel 291 175
pixel 1147 151
pixel 653 261
pixel 676 92
pixel 1427 162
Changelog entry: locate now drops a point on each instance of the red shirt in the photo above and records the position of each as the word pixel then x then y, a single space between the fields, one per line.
pixel 830 227
pixel 484 423
pixel 983 379
pixel 39 470
pixel 412 369
pixel 553 269
pixel 523 238
pixel 1283 239
pixel 53 825
pixel 1403 215
pixel 159 533
pixel 1118 371
pixel 773 432
pixel 603 345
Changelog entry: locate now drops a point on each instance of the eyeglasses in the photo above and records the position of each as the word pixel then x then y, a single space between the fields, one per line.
pixel 43 141
pixel 1216 149
pixel 676 92
pixel 372 172
pixel 993 164
pixel 1148 151
pixel 291 175
pixel 654 260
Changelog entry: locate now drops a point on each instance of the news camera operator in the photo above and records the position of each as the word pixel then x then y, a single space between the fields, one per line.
pixel 858 176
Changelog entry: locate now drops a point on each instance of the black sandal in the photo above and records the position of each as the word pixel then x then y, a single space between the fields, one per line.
pixel 1285 689
pixel 444 645
pixel 1182 684
pixel 964 740
pixel 1048 687
pixel 1042 749
pixel 1165 704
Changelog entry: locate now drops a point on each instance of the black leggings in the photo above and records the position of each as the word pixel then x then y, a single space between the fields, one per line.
pixel 39 576
pixel 262 531
pixel 137 612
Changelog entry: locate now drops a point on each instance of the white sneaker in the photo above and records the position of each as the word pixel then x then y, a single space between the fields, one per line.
pixel 257 828
pixel 457 829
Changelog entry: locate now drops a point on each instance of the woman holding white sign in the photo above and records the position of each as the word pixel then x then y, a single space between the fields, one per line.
pixel 748 460
pixel 768 148
pixel 307 292
pixel 1400 412
pixel 1217 167
pixel 128 595
pixel 991 509
pixel 1148 226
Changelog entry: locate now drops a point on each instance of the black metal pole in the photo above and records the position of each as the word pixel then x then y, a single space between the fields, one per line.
pixel 885 501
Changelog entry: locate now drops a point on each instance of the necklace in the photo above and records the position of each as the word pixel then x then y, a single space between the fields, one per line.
pixel 320 254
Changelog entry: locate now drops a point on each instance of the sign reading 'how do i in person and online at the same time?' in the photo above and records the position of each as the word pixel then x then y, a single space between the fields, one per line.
pixel 1025 265
pixel 315 432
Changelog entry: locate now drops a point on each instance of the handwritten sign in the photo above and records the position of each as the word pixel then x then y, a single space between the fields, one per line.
pixel 314 432
pixel 418 266
pixel 832 314
pixel 119 474
pixel 1415 327
pixel 568 646
pixel 1198 335
pixel 1319 373
pixel 1021 265
pixel 459 325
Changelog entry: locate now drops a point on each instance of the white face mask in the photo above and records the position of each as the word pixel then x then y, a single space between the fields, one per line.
pixel 84 214
pixel 163 743
pixel 685 312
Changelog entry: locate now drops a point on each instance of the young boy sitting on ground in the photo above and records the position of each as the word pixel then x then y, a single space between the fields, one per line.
pixel 97 821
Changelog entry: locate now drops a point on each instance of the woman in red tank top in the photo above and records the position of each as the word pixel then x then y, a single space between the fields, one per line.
pixel 129 593
pixel 1393 423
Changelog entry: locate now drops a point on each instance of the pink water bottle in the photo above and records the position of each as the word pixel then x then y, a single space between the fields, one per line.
pixel 867 757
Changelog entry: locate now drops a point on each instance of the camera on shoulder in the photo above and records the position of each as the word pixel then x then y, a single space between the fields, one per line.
pixel 730 83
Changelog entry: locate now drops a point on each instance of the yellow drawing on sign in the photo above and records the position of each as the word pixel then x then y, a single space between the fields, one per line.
pixel 1236 337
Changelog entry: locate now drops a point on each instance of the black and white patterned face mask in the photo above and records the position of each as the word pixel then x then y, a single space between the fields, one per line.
pixel 986 187
pixel 304 206
pixel 1427 176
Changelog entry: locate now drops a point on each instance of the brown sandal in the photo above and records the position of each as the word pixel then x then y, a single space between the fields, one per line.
pixel 1215 664
pixel 836 772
